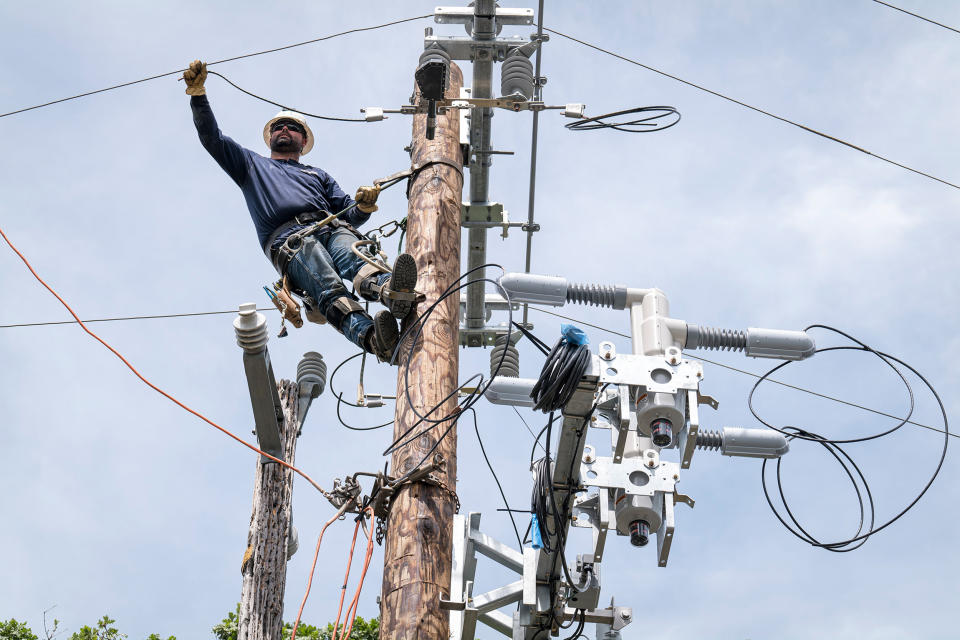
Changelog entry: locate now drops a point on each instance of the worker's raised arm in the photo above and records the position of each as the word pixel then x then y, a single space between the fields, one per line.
pixel 229 155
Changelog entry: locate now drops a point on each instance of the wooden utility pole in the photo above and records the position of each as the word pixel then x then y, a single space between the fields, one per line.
pixel 417 552
pixel 264 565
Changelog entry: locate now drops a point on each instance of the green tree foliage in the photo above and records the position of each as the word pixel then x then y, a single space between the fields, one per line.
pixel 13 630
pixel 362 629
pixel 226 630
pixel 103 630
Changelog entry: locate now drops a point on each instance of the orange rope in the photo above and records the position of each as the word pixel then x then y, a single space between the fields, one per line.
pixel 150 384
pixel 313 567
pixel 352 609
pixel 219 428
pixel 346 577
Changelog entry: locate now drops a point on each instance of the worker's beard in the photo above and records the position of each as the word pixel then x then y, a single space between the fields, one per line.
pixel 285 144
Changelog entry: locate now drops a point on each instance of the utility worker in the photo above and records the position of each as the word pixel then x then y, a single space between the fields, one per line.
pixel 286 199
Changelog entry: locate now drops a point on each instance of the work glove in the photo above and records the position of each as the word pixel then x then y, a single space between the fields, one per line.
pixel 367 199
pixel 195 76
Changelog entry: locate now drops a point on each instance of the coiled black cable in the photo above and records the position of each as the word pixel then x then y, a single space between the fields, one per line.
pixel 560 375
pixel 853 472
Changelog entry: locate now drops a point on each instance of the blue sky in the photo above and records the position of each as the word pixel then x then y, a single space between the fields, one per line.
pixel 118 502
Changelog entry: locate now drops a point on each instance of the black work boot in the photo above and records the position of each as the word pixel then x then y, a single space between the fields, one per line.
pixel 398 293
pixel 382 338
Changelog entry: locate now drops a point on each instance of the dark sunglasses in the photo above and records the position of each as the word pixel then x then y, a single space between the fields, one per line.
pixel 290 125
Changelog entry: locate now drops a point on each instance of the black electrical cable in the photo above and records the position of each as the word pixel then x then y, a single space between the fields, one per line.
pixel 560 375
pixel 647 124
pixel 283 106
pixel 916 15
pixel 503 495
pixel 472 397
pixel 341 401
pixel 752 374
pixel 578 633
pixel 416 330
pixel 542 346
pixel 152 317
pixel 753 108
pixel 240 57
pixel 832 445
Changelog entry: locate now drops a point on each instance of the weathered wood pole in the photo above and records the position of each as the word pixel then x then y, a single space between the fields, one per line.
pixel 264 565
pixel 417 551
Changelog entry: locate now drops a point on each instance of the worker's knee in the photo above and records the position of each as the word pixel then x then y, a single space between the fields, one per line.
pixel 338 310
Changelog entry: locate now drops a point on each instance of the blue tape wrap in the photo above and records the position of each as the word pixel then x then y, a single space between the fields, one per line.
pixel 574 334
pixel 537 541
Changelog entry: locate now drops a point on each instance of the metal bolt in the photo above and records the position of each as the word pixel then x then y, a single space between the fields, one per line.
pixel 626 615
pixel 650 464
pixel 676 476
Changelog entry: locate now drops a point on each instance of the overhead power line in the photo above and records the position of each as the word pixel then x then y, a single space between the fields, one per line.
pixel 552 313
pixel 240 57
pixel 915 15
pixel 753 108
pixel 755 375
pixel 153 317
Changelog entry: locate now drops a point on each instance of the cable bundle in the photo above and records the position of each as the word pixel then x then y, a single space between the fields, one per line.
pixel 565 366
pixel 867 526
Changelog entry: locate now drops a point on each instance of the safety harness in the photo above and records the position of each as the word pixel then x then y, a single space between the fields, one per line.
pixel 313 222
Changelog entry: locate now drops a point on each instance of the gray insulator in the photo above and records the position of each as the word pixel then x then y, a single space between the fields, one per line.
pixel 614 296
pixel 744 443
pixel 293 540
pixel 312 374
pixel 435 54
pixel 516 75
pixel 710 440
pixel 506 350
pixel 711 338
pixel 251 329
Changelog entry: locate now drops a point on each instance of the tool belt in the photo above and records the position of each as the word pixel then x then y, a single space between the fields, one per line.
pixel 317 221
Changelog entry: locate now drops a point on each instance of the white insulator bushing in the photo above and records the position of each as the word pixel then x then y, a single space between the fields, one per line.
pixel 535 289
pixel 753 443
pixel 251 329
pixel 311 374
pixel 512 391
pixel 779 343
pixel 293 541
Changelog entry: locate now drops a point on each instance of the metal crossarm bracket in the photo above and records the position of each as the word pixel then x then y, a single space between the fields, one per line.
pixel 267 410
pixel 465 15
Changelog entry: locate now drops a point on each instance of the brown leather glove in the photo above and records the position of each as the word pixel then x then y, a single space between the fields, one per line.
pixel 195 76
pixel 367 199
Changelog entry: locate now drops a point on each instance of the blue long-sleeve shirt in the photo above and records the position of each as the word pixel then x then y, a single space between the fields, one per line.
pixel 275 190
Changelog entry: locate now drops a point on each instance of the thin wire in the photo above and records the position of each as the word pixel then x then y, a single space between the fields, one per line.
pixel 240 57
pixel 535 439
pixel 503 495
pixel 283 106
pixel 166 395
pixel 756 375
pixel 154 317
pixel 531 199
pixel 939 24
pixel 753 108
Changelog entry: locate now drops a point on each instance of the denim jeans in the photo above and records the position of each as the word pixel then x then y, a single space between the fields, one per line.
pixel 324 260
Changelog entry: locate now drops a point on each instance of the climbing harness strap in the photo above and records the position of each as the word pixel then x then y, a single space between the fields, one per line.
pixel 284 254
pixel 367 292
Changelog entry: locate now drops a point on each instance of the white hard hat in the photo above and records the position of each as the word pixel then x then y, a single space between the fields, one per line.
pixel 296 117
